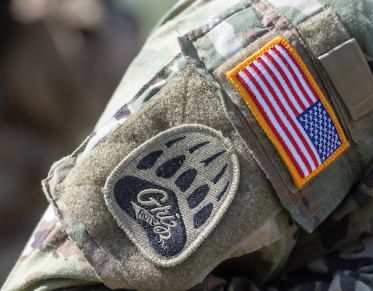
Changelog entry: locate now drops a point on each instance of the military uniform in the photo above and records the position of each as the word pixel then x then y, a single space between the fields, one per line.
pixel 235 154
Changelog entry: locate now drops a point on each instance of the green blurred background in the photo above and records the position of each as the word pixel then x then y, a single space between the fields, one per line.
pixel 60 61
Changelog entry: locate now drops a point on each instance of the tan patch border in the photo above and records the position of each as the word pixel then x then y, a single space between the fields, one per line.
pixel 121 220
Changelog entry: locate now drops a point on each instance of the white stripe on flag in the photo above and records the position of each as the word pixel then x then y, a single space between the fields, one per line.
pixel 282 115
pixel 285 54
pixel 284 101
pixel 273 120
pixel 283 83
pixel 291 79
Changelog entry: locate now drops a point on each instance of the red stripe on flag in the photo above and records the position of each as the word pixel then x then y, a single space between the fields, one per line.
pixel 288 118
pixel 290 103
pixel 273 128
pixel 278 84
pixel 295 77
pixel 300 70
pixel 287 81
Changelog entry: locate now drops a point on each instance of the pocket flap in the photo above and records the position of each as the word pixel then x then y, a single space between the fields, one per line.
pixel 351 75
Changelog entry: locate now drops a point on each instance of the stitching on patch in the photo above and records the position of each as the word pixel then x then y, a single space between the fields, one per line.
pixel 206 214
pixel 233 76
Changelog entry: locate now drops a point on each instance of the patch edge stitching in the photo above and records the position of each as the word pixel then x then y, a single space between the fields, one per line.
pixel 231 75
pixel 213 223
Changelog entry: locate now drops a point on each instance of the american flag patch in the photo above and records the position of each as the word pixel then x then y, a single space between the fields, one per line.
pixel 290 107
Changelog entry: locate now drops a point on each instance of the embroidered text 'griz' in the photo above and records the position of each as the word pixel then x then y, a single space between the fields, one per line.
pixel 156 209
pixel 169 194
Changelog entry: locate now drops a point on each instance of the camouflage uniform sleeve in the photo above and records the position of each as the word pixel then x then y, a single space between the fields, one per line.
pixel 50 260
pixel 339 255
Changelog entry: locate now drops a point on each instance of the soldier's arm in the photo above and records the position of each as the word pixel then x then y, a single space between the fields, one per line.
pixel 232 135
pixel 50 260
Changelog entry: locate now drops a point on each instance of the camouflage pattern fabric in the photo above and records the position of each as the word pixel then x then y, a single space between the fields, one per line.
pixel 214 49
pixel 280 255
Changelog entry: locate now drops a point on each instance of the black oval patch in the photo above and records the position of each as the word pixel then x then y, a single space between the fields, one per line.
pixel 185 180
pixel 149 160
pixel 201 216
pixel 170 167
pixel 198 195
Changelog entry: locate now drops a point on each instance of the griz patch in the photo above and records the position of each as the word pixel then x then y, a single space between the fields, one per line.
pixel 170 193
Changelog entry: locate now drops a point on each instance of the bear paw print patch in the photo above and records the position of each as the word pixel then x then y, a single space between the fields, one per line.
pixel 170 193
